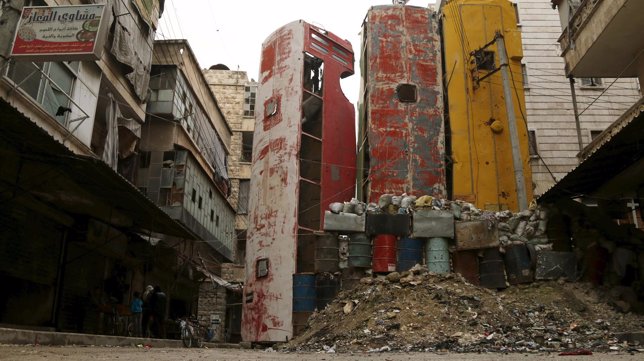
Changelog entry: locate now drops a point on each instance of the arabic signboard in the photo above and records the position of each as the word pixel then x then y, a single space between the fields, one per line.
pixel 60 33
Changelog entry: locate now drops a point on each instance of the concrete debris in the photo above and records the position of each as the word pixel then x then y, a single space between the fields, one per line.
pixel 421 311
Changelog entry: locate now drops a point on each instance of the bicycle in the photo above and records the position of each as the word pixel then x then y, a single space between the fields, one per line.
pixel 192 333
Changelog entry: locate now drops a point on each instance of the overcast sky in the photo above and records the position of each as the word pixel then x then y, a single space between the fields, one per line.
pixel 231 32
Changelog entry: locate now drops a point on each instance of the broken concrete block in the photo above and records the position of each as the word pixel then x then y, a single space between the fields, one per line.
pixel 427 223
pixel 396 224
pixel 344 222
pixel 476 235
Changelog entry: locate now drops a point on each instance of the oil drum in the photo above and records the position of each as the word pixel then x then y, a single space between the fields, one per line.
pixel 410 253
pixel 384 253
pixel 438 255
pixel 359 250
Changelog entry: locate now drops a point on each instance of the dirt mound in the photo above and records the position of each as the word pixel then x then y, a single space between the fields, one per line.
pixel 421 311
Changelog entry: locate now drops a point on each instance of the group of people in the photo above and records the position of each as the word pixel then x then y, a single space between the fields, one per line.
pixel 149 312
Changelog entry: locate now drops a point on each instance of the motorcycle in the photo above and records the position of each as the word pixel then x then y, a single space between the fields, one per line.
pixel 192 333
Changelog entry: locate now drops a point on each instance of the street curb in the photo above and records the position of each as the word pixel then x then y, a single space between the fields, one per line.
pixel 29 337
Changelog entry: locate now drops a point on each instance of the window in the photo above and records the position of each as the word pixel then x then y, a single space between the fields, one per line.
pixel 217 221
pixel 200 202
pixel 250 94
pixel 212 215
pixel 484 60
pixel 532 143
pixel 524 72
pixel 313 74
pixel 591 82
pixel 244 190
pixel 406 93
pixel 194 195
pixel 261 268
pixel 247 147
pixel 50 84
pixel 594 134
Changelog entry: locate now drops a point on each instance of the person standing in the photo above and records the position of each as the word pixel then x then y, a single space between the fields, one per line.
pixel 158 303
pixel 136 307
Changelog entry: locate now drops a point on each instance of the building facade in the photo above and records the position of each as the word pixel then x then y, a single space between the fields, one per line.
pixel 183 165
pixel 236 96
pixel 555 138
pixel 78 237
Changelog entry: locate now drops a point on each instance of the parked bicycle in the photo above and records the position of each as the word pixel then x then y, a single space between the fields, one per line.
pixel 192 333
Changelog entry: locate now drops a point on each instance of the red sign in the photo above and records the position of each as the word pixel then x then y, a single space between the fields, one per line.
pixel 59 32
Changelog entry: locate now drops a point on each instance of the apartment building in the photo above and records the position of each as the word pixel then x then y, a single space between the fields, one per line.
pixel 78 237
pixel 556 139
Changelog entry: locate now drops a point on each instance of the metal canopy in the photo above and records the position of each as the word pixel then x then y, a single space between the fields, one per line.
pixel 609 161
pixel 74 183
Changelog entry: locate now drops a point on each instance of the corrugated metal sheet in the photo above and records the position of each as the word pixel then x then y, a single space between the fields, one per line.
pixel 401 128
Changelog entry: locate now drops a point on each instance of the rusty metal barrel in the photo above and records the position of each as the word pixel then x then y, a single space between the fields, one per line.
pixel 326 253
pixel 410 253
pixel 492 269
pixel 326 286
pixel 518 264
pixel 359 250
pixel 438 255
pixel 466 263
pixel 384 253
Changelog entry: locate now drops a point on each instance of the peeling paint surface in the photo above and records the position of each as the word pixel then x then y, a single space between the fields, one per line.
pixel 481 149
pixel 403 143
pixel 304 159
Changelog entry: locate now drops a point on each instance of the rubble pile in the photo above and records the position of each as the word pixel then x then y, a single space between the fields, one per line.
pixel 417 310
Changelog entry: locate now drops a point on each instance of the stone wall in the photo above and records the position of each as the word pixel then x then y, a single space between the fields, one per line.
pixel 212 307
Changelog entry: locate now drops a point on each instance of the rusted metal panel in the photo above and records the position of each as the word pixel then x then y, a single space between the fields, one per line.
pixel 432 223
pixel 401 126
pixel 304 159
pixel 553 265
pixel 476 235
pixel 467 264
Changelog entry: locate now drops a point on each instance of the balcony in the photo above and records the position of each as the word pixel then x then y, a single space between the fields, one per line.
pixel 603 38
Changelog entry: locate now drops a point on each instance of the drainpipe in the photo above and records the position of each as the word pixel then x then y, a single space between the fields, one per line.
pixel 517 162
pixel 574 107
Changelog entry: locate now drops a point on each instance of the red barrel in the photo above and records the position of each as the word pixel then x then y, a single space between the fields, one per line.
pixel 384 253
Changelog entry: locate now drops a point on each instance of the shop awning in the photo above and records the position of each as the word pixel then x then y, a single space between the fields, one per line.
pixel 76 184
pixel 612 163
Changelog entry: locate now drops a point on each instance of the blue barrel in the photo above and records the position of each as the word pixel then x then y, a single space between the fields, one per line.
pixel 359 250
pixel 438 255
pixel 304 294
pixel 410 253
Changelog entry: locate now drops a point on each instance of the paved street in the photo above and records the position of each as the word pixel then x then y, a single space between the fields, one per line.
pixel 78 353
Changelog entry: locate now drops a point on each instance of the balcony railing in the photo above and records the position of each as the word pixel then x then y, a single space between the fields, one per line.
pixel 576 23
